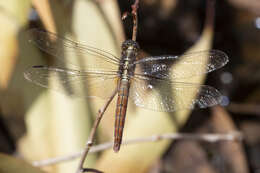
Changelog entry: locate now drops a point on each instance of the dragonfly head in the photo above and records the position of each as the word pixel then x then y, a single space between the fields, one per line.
pixel 130 45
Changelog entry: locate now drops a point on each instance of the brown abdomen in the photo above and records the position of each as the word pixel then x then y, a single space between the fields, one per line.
pixel 121 107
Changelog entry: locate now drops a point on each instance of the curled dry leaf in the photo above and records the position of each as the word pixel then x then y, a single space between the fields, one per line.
pixel 251 5
pixel 13 16
pixel 45 13
pixel 232 152
pixel 8 47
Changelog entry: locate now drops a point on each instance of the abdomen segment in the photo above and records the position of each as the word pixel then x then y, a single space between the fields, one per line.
pixel 121 107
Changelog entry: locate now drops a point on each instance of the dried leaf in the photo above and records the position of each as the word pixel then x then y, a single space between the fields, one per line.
pixel 13 15
pixel 45 13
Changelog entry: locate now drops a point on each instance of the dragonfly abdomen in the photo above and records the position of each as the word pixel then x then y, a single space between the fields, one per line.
pixel 121 107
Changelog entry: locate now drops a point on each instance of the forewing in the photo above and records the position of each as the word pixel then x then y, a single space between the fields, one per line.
pixel 193 64
pixel 60 47
pixel 74 82
pixel 160 95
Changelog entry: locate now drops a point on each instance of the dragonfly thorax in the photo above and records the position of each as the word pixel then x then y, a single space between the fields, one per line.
pixel 129 51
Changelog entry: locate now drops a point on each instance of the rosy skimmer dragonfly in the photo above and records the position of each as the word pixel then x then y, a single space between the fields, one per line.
pixel 131 77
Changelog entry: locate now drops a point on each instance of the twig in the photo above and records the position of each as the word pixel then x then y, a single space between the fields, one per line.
pixel 210 13
pixel 92 135
pixel 232 136
pixel 134 7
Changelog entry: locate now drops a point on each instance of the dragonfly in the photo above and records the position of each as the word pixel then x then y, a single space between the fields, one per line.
pixel 146 81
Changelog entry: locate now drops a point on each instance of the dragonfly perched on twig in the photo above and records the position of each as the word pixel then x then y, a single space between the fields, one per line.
pixel 131 77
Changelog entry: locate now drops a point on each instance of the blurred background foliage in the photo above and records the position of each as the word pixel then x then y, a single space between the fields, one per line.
pixel 36 123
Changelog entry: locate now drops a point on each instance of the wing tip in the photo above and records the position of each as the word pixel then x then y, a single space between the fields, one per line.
pixel 28 73
pixel 223 56
pixel 210 97
pixel 215 96
pixel 36 36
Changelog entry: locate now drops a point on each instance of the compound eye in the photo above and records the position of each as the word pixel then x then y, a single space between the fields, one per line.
pixel 136 46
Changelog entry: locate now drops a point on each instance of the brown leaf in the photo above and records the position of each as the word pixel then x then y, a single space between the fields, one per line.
pixel 232 152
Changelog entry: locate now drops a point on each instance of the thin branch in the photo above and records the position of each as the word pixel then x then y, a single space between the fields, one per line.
pixel 92 135
pixel 210 13
pixel 134 15
pixel 211 138
pixel 135 7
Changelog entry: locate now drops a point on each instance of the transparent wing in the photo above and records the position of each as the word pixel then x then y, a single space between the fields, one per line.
pixel 192 64
pixel 58 47
pixel 74 82
pixel 167 96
